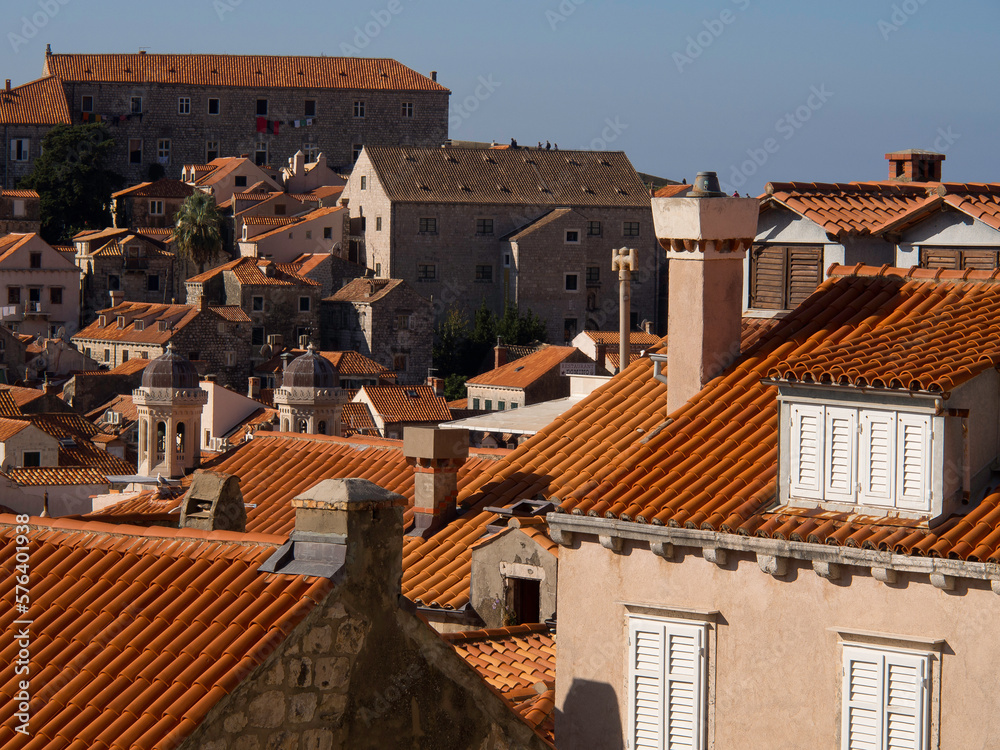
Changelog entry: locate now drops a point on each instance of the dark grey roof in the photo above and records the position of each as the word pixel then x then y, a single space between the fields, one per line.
pixel 170 370
pixel 311 370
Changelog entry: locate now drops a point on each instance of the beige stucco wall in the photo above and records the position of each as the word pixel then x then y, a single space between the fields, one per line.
pixel 774 661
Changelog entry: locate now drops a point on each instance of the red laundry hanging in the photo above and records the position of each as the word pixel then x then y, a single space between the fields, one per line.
pixel 261 124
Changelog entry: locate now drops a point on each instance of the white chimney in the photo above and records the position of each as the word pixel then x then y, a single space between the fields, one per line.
pixel 706 236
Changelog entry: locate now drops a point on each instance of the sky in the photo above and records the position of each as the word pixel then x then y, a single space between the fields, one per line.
pixel 756 90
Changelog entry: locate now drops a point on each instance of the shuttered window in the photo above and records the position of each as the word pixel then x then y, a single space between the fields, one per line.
pixel 877 460
pixel 784 276
pixel 956 258
pixel 666 684
pixel 807 451
pixel 884 700
pixel 840 454
pixel 912 455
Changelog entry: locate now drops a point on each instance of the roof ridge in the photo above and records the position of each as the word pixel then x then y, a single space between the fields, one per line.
pixel 923 275
pixel 113 532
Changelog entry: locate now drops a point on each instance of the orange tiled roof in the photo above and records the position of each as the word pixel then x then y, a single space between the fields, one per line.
pixel 10 427
pixel 268 221
pixel 175 316
pixel 672 191
pixel 122 404
pixel 40 102
pixel 164 188
pixel 17 193
pixel 357 419
pixel 250 272
pixel 51 476
pixel 9 404
pixel 21 396
pixel 316 213
pixel 119 615
pixel 240 432
pixel 365 290
pixel 246 71
pixel 407 403
pixel 640 339
pixel 522 372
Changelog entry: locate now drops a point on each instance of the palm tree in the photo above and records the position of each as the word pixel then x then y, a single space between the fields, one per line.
pixel 198 229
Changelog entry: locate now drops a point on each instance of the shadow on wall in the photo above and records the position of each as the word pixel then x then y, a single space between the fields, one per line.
pixel 589 718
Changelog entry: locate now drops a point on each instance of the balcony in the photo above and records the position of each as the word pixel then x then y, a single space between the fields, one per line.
pixel 34 309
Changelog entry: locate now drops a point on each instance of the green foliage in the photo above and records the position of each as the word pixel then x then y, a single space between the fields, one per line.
pixel 73 180
pixel 454 387
pixel 198 229
pixel 461 351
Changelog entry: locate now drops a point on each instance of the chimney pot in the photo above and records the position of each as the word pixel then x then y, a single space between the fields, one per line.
pixel 499 355
pixel 434 76
pixel 214 502
pixel 253 391
pixel 436 455
pixel 8 84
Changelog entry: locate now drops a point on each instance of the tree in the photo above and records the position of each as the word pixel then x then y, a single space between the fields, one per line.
pixel 198 229
pixel 73 180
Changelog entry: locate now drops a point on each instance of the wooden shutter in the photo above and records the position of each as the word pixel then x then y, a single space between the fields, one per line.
pixel 940 257
pixel 768 274
pixel 913 439
pixel 982 260
pixel 884 700
pixel 840 454
pixel 666 684
pixel 806 460
pixel 805 272
pixel 877 458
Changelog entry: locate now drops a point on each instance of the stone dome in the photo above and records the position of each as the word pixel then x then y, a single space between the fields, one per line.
pixel 170 370
pixel 311 370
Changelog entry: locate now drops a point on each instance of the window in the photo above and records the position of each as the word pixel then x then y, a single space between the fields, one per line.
pixel 31 458
pixel 13 295
pixel 125 355
pixel 87 103
pixel 984 259
pixel 475 403
pixel 359 109
pixel 55 295
pixel 153 282
pixel 513 404
pixel 310 108
pixel 257 336
pixel 35 260
pixel 310 151
pixel 34 295
pixel 846 454
pixel 593 229
pixel 570 329
pixel 230 359
pixel 501 405
pixel 885 699
pixel 488 404
pixel 156 208
pixel 378 270
pixel 213 106
pixel 260 154
pixel 593 275
pixel 407 110
pixel 572 282
pixel 784 276
pixel 136 105
pixel 240 181
pixel 107 355
pixel 356 151
pixel 262 108
pixel 630 229
pixel 184 105
pixel 484 226
pixel 506 260
pixel 309 234
pixel 135 151
pixel 666 683
pixel 572 236
pixel 163 151
pixel 114 283
pixel 364 182
pixel 378 223
pixel 19 207
pixel 19 149
pixel 402 321
pixel 426 272
pixel 428 226
pixel 399 362
pixel 484 274
pixel 304 304
pixel 211 150
pixel 523 597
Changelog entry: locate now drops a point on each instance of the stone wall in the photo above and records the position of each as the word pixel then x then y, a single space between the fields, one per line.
pixel 133 279
pixel 15 171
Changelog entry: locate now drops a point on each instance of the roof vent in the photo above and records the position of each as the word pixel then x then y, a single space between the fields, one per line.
pixel 620 191
pixel 605 163
pixel 412 393
pixel 503 188
pixel 214 502
pixel 343 74
pixel 490 159
pixel 465 188
pixel 587 190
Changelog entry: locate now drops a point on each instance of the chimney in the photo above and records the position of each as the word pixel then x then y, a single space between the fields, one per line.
pixel 203 302
pixel 436 455
pixel 499 355
pixel 624 261
pixel 601 356
pixel 434 76
pixel 913 165
pixel 349 528
pixel 706 236
pixel 436 384
pixel 253 391
pixel 647 326
pixel 214 502
pixel 8 84
pixel 344 202
pixel 117 297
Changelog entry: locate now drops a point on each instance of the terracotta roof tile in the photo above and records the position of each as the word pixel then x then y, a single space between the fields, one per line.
pixel 522 372
pixel 57 476
pixel 41 102
pixel 164 188
pixel 406 403
pixel 612 338
pixel 247 71
pixel 365 290
pixel 254 272
pixel 357 419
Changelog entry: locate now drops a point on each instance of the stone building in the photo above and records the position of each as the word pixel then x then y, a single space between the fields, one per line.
pixel 532 227
pixel 316 232
pixel 224 176
pixel 20 211
pixel 541 376
pixel 218 336
pixel 385 319
pixel 165 111
pixel 393 408
pixel 276 299
pixel 149 204
pixel 310 398
pixel 40 287
pixel 303 175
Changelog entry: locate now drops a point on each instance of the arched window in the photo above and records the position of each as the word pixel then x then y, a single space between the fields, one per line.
pixel 179 438
pixel 284 425
pixel 161 437
pixel 322 428
pixel 143 438
pixel 303 426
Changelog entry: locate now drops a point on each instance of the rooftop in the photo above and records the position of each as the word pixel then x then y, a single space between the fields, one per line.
pixel 405 403
pixel 365 290
pixel 256 272
pixel 40 102
pixel 522 372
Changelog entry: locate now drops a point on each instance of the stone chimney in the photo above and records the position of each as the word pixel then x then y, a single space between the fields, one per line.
pixel 203 302
pixel 117 297
pixel 8 84
pixel 436 455
pixel 253 389
pixel 214 502
pixel 436 384
pixel 434 76
pixel 601 357
pixel 706 236
pixel 349 528
pixel 914 165
pixel 499 355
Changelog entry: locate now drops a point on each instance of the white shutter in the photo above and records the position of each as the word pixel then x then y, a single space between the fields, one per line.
pixel 646 657
pixel 884 700
pixel 913 439
pixel 667 684
pixel 877 458
pixel 840 454
pixel 13 149
pixel 806 440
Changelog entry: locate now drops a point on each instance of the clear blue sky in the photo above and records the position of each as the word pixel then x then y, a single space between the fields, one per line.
pixel 679 86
